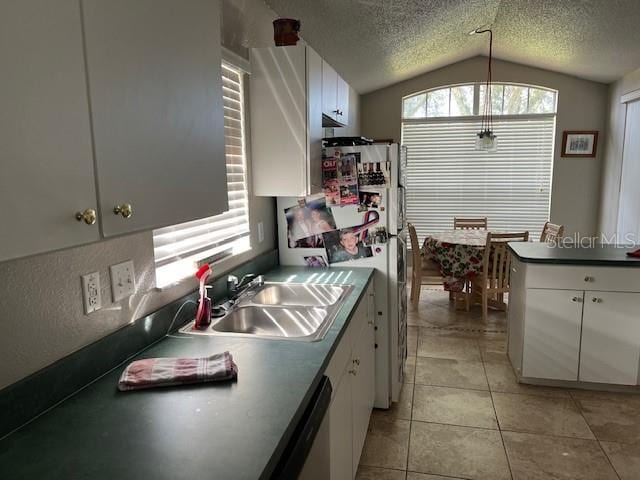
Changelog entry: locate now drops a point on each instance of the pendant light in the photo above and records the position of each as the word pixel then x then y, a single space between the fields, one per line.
pixel 487 140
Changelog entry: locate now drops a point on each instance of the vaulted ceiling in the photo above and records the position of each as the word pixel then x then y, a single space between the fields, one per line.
pixel 375 43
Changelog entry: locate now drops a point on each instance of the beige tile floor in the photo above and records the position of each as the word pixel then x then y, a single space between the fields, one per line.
pixel 462 415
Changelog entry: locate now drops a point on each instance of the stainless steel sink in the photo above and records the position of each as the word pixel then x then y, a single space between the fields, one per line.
pixel 297 294
pixel 273 321
pixel 282 311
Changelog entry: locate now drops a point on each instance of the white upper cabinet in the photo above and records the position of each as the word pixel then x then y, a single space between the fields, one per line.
pixel 335 97
pixel 329 90
pixel 156 103
pixel 286 121
pixel 342 101
pixel 46 168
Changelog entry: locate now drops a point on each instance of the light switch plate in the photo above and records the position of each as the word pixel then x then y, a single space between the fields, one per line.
pixel 123 280
pixel 91 295
pixel 260 232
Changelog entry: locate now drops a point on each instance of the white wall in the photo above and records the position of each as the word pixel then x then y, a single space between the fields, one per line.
pixel 582 105
pixel 353 129
pixel 612 159
pixel 41 316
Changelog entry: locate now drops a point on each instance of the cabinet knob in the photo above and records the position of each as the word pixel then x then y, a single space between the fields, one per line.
pixel 576 299
pixel 589 279
pixel 126 210
pixel 353 372
pixel 89 216
pixel 596 300
pixel 356 361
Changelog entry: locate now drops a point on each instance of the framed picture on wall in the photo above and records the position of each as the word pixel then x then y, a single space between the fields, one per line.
pixel 576 143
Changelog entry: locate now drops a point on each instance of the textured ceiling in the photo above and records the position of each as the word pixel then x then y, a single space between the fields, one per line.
pixel 375 43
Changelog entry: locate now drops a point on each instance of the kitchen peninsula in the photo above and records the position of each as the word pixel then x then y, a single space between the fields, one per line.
pixel 573 315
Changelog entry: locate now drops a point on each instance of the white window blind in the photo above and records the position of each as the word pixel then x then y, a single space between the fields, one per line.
pixel 447 176
pixel 179 248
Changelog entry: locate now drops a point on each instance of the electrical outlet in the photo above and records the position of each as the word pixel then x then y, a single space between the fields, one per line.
pixel 91 292
pixel 260 232
pixel 123 280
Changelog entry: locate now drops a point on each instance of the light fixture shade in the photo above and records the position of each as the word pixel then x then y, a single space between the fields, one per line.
pixel 487 141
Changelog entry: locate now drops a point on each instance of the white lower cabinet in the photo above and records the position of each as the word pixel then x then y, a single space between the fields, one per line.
pixel 363 388
pixel 552 334
pixel 354 392
pixel 340 431
pixel 610 350
pixel 569 333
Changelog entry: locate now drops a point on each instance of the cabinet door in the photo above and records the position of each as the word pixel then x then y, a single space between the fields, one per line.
pixel 279 143
pixel 515 313
pixel 610 350
pixel 45 138
pixel 329 90
pixel 552 321
pixel 342 115
pixel 340 431
pixel 363 387
pixel 156 99
pixel 315 132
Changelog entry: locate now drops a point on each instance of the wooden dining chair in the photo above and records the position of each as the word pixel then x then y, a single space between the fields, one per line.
pixel 466 223
pixel 423 271
pixel 460 223
pixel 489 288
pixel 551 232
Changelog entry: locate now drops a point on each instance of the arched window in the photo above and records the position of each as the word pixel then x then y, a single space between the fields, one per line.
pixel 448 177
pixel 466 100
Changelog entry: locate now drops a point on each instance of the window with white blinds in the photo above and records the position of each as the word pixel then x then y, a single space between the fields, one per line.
pixel 447 176
pixel 179 248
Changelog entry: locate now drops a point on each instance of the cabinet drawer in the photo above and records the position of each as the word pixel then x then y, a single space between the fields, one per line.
pixel 568 277
pixel 341 356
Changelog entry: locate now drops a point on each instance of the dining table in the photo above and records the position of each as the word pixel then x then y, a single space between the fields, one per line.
pixel 458 253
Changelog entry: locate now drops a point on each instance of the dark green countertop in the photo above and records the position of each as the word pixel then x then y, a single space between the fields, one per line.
pixel 220 431
pixel 600 255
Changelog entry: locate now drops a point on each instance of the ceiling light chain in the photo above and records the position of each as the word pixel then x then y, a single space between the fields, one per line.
pixel 487 140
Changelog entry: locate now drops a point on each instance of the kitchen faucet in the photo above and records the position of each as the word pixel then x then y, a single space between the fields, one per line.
pixel 236 288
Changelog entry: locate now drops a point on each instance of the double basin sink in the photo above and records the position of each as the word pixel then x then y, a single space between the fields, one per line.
pixel 292 311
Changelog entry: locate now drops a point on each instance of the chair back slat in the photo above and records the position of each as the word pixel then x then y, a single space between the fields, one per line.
pixel 551 232
pixel 460 223
pixel 507 280
pixel 497 258
pixel 415 245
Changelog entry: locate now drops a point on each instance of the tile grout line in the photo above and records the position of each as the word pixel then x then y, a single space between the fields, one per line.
pixel 455 388
pixel 439 475
pixel 608 459
pixel 457 425
pixel 495 412
pixel 413 392
pixel 575 402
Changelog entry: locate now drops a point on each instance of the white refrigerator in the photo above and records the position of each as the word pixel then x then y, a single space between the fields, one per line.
pixel 377 220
